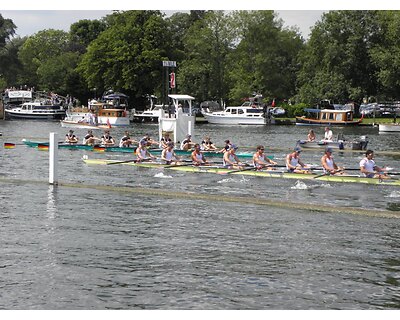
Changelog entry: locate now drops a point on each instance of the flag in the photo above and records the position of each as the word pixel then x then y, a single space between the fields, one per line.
pixel 172 80
pixel 9 145
pixel 108 123
pixel 43 147
pixel 273 103
pixel 99 149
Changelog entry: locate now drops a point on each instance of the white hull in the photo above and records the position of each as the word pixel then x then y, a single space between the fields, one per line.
pixel 394 127
pixel 233 119
pixel 80 125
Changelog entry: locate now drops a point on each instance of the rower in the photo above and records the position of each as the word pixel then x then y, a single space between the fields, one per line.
pixel 70 137
pixel 168 155
pixel 197 157
pixel 328 164
pixel 142 153
pixel 207 144
pixel 369 169
pixel 107 140
pixel 149 141
pixel 89 139
pixel 226 147
pixel 165 140
pixel 293 162
pixel 187 143
pixel 126 141
pixel 231 160
pixel 260 160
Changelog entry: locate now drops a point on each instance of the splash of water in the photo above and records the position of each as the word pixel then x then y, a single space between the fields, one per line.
pixel 161 175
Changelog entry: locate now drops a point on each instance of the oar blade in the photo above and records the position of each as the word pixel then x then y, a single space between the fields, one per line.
pixel 8 145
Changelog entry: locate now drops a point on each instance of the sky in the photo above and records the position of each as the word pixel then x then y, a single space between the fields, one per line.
pixel 32 16
pixel 29 22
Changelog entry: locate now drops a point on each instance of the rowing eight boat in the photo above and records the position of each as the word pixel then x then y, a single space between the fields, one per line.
pixel 34 144
pixel 256 173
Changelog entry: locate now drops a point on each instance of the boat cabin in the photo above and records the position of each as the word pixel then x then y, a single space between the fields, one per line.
pixel 329 115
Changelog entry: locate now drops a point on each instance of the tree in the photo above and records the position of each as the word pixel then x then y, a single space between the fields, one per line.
pixel 206 46
pixel 127 55
pixel 7 30
pixel 38 50
pixel 83 32
pixel 264 59
pixel 336 62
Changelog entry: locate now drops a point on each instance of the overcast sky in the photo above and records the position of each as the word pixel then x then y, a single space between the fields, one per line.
pixel 30 16
pixel 29 22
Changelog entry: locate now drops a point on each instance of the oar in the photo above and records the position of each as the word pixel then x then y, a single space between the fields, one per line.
pixel 327 173
pixel 127 161
pixel 242 170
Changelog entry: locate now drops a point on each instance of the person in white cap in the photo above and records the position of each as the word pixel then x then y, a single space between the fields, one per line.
pixel 328 164
pixel 231 160
pixel 293 162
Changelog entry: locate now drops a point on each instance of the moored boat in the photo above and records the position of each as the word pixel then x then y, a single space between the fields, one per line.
pixel 246 114
pixel 251 112
pixel 389 127
pixel 327 117
pixel 357 144
pixel 36 110
pixel 252 172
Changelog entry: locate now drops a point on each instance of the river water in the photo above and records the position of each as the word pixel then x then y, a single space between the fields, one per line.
pixel 122 237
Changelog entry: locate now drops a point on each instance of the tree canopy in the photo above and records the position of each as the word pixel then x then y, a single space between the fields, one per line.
pixel 223 56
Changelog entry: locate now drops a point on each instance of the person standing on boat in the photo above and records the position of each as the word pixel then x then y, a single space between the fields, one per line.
pixel 293 162
pixel 311 136
pixel 187 143
pixel 328 135
pixel 197 157
pixel 328 164
pixel 207 144
pixel 369 169
pixel 260 160
pixel 168 155
pixel 231 160
pixel 89 139
pixel 142 152
pixel 126 141
pixel 70 137
pixel 107 140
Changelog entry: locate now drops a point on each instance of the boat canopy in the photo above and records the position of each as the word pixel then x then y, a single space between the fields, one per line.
pixel 312 110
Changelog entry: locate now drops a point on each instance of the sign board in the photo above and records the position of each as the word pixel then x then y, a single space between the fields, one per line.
pixel 20 94
pixel 169 63
pixel 172 80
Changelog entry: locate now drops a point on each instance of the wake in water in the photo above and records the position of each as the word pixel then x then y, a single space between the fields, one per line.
pixel 393 194
pixel 161 175
pixel 300 185
pixel 230 180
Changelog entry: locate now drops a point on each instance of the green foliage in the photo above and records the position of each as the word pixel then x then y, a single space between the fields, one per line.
pixel 296 110
pixel 40 48
pixel 206 46
pixel 336 61
pixel 264 59
pixel 127 55
pixel 83 32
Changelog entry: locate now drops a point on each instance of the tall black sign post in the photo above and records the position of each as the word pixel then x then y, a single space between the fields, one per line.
pixel 166 82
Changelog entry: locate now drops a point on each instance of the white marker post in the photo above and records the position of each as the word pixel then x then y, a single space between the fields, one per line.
pixel 53 159
pixel 189 127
